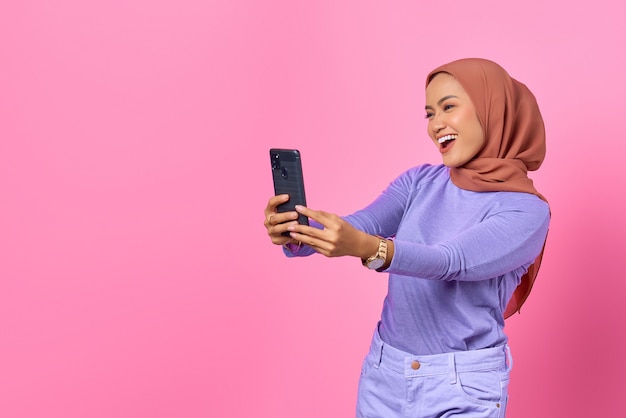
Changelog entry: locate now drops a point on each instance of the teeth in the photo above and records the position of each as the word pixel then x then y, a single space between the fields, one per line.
pixel 446 138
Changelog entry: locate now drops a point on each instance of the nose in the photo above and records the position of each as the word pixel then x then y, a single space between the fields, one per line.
pixel 437 123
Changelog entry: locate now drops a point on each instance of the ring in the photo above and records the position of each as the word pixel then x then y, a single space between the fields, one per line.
pixel 268 220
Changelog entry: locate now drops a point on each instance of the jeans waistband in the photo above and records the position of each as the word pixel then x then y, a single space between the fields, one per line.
pixel 435 364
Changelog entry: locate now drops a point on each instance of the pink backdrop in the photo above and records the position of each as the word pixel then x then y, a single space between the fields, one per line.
pixel 136 279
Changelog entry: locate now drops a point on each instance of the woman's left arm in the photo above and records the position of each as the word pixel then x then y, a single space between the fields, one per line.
pixel 509 239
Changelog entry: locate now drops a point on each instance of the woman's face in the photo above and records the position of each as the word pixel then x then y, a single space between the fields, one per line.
pixel 452 121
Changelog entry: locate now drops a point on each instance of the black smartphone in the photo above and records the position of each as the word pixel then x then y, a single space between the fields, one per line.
pixel 288 179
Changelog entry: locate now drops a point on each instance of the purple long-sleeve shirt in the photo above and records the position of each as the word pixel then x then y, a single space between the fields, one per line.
pixel 459 255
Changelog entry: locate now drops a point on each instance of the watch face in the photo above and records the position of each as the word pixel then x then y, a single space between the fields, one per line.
pixel 375 263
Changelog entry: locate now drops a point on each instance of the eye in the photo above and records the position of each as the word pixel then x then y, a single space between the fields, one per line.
pixel 447 107
pixel 429 115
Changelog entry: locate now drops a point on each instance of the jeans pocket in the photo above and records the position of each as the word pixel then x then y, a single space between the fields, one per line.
pixel 483 386
pixel 366 365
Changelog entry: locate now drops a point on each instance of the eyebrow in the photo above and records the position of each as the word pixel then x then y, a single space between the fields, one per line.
pixel 443 99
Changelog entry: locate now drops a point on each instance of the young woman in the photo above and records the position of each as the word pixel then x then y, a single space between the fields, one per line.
pixel 461 242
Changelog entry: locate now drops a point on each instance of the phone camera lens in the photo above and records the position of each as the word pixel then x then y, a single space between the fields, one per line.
pixel 275 162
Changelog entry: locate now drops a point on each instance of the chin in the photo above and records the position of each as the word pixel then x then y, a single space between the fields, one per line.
pixel 454 163
pixel 451 164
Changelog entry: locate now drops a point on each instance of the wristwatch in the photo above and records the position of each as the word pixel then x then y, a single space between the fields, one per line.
pixel 377 260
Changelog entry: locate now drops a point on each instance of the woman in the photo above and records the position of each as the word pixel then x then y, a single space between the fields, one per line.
pixel 457 240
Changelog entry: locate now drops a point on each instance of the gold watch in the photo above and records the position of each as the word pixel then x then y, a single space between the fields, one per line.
pixel 377 260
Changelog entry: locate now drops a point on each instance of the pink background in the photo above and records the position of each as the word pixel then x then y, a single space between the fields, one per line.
pixel 136 279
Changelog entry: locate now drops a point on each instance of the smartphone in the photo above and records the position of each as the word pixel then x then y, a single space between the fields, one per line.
pixel 288 179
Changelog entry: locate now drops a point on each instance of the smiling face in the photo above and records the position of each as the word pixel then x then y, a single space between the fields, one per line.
pixel 452 121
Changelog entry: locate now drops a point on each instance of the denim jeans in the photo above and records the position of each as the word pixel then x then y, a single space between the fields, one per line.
pixel 469 384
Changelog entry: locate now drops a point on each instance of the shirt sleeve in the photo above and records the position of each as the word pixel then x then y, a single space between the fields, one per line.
pixel 383 216
pixel 510 238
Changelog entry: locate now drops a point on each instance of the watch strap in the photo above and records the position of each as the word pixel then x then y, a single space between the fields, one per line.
pixel 381 255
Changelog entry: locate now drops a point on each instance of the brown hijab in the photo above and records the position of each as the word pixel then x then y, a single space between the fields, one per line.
pixel 515 141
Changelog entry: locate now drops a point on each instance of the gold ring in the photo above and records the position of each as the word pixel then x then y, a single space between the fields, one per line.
pixel 269 220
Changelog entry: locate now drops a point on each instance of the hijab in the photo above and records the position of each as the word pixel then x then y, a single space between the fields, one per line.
pixel 515 141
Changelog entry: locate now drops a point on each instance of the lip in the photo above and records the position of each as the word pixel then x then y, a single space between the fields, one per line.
pixel 447 148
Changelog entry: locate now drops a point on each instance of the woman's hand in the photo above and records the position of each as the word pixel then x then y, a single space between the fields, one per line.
pixel 277 223
pixel 338 238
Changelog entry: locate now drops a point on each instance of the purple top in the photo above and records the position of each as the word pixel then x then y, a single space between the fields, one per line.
pixel 459 255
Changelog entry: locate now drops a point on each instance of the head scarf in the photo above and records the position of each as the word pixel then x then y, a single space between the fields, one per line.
pixel 515 141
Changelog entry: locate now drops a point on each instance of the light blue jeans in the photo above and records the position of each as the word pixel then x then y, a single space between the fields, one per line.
pixel 468 384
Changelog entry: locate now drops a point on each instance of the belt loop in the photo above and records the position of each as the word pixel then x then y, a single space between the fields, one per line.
pixel 452 368
pixel 379 355
pixel 509 358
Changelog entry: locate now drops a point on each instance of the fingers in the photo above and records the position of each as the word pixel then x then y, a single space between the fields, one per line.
pixel 275 219
pixel 272 217
pixel 313 214
pixel 275 201
pixel 322 240
pixel 278 233
pixel 283 227
pixel 302 231
pixel 276 223
pixel 320 216
pixel 336 238
pixel 333 224
pixel 307 239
